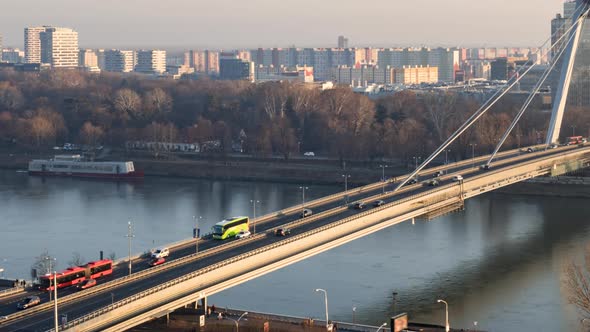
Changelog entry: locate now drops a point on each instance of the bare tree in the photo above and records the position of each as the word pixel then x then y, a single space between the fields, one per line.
pixel 77 260
pixel 41 129
pixel 577 281
pixel 10 97
pixel 90 134
pixel 128 102
pixel 43 264
pixel 157 102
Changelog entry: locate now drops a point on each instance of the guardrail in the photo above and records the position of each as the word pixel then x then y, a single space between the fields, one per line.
pixel 11 291
pixel 282 242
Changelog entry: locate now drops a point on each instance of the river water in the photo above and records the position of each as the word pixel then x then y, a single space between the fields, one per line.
pixel 499 263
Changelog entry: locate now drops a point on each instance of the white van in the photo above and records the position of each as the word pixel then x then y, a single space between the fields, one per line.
pixel 160 253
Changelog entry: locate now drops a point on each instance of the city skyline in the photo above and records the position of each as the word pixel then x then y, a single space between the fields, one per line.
pixel 183 24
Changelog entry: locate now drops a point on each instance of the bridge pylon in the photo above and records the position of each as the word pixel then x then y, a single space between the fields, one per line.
pixel 569 58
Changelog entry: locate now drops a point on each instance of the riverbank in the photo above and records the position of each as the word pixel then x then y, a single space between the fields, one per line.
pixel 239 168
pixel 561 186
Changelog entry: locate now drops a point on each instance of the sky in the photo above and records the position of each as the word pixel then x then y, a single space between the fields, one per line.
pixel 185 24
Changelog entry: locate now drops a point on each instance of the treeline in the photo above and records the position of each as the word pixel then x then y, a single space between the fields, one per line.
pixel 53 107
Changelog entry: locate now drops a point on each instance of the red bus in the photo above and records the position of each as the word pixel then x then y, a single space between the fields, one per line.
pixel 69 277
pixel 77 274
pixel 99 269
pixel 573 140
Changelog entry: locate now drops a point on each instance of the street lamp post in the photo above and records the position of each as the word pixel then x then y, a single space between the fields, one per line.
pixel 237 321
pixel 447 156
pixel 50 260
pixel 112 298
pixel 394 297
pixel 473 145
pixel 197 222
pixel 346 177
pixel 381 327
pixel 573 130
pixel 254 202
pixel 353 314
pixel 55 301
pixel 383 167
pixel 326 302
pixel 447 326
pixel 303 188
pixel 129 236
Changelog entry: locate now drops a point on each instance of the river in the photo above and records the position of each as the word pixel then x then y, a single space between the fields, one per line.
pixel 499 263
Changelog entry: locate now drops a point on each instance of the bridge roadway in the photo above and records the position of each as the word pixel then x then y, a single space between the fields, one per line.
pixel 44 320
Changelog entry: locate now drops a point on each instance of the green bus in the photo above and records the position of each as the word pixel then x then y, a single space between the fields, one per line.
pixel 230 227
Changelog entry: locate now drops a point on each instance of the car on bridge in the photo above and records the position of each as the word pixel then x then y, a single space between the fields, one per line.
pixel 359 205
pixel 161 253
pixel 306 213
pixel 87 284
pixel 438 174
pixel 412 181
pixel 28 302
pixel 433 183
pixel 157 261
pixel 457 178
pixel 243 234
pixel 282 232
pixel 378 202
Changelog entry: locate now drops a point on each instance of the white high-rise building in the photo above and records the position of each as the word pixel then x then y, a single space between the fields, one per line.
pixel 122 61
pixel 59 47
pixel 33 44
pixel 151 61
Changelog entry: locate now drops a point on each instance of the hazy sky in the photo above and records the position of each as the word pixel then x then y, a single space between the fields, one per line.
pixel 282 23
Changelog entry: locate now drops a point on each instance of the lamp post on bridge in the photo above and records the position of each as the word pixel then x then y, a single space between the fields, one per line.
pixel 303 188
pixel 129 236
pixel 383 167
pixel 254 202
pixel 55 301
pixel 473 145
pixel 196 233
pixel 346 177
pixel 50 260
pixel 573 130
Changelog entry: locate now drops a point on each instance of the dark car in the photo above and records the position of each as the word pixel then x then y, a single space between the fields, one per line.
pixel 530 150
pixel 282 232
pixel 412 181
pixel 306 213
pixel 359 205
pixel 28 302
pixel 87 284
pixel 433 183
pixel 378 203
pixel 157 261
pixel 485 167
pixel 438 174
